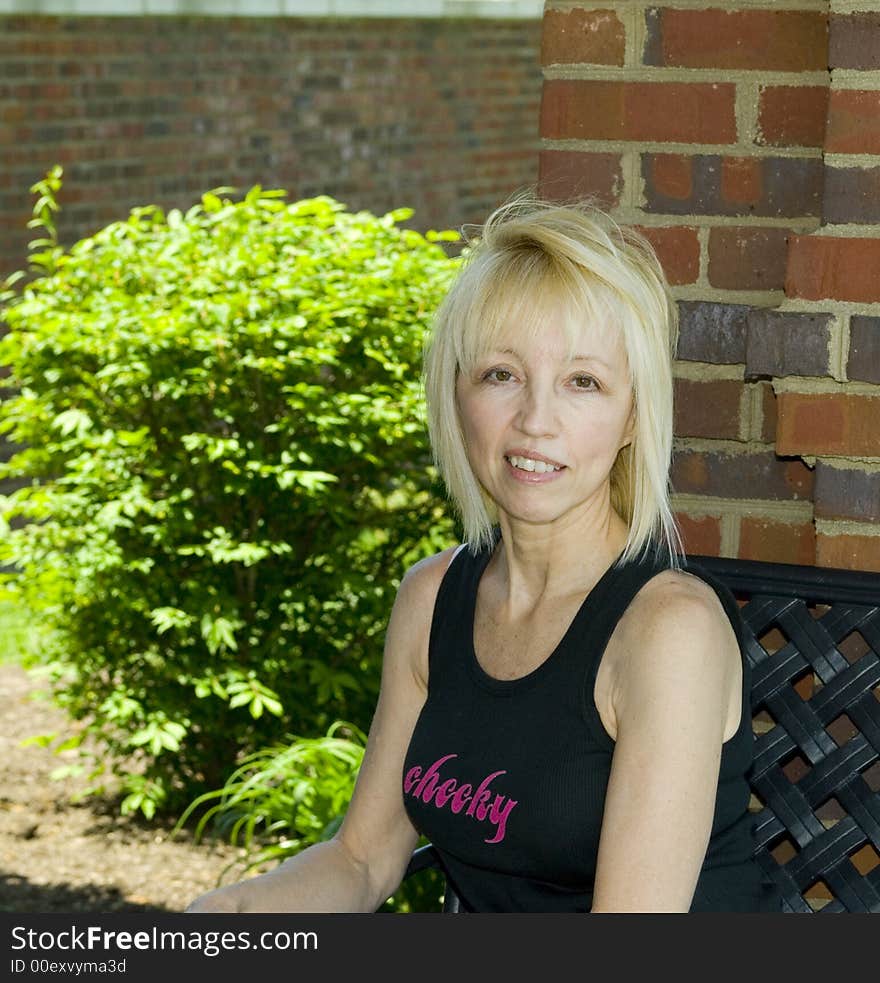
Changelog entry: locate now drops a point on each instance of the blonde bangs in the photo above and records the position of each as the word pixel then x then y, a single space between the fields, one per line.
pixel 517 292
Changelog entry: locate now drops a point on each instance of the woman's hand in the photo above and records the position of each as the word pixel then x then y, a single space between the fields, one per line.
pixel 222 899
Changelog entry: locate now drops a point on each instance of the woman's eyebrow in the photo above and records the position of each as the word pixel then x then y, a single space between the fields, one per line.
pixel 574 358
pixel 590 358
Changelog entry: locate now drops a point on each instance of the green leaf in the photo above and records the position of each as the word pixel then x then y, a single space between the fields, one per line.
pixel 211 202
pixel 219 633
pixel 73 421
pixel 310 480
pixel 167 618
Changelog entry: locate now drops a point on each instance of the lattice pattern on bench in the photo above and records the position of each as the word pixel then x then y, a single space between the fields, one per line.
pixel 813 641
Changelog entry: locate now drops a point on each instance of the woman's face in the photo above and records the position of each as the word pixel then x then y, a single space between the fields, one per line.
pixel 543 428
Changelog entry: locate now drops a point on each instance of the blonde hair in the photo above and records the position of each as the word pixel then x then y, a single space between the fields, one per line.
pixel 529 252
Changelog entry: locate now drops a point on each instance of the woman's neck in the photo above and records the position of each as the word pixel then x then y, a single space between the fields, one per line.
pixel 535 562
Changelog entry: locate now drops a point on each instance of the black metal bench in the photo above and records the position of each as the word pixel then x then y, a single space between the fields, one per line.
pixel 813 642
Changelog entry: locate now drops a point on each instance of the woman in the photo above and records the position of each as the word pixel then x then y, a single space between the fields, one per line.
pixel 563 709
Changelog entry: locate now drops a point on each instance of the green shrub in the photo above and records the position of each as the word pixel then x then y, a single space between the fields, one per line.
pixel 226 472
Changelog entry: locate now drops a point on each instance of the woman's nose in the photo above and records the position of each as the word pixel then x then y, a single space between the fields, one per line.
pixel 538 411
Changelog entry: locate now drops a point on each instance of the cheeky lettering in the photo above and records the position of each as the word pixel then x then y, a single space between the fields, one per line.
pixel 481 804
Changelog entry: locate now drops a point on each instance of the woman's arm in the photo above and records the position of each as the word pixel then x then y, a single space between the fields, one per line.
pixel 364 863
pixel 679 673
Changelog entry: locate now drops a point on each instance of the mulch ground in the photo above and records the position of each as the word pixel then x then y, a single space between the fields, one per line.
pixel 59 855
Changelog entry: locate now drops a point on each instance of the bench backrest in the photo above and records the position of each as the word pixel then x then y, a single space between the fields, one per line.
pixel 813 643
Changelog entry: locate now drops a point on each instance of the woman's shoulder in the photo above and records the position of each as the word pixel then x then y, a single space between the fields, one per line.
pixel 424 577
pixel 674 642
pixel 673 599
pixel 409 626
pixel 678 586
pixel 678 616
pixel 437 561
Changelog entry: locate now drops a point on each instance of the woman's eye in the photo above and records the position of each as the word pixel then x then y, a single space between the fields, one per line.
pixel 585 382
pixel 498 375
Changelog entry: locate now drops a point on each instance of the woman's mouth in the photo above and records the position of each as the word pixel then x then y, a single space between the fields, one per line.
pixel 532 464
pixel 532 470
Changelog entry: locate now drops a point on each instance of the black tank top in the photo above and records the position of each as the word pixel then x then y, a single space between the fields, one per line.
pixel 507 778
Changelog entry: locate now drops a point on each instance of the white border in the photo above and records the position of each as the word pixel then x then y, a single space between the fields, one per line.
pixel 490 9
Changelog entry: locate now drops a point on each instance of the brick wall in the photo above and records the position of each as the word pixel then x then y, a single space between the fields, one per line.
pixel 439 114
pixel 744 139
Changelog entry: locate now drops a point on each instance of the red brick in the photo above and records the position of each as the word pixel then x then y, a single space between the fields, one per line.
pixel 781 343
pixel 741 180
pixel 855 41
pixel 679 112
pixel 792 115
pixel 782 41
pixel 778 542
pixel 852 194
pixel 741 475
pixel 863 362
pixel 821 267
pixel 847 493
pixel 711 184
pixel 591 37
pixel 678 249
pixel 710 332
pixel 848 552
pixel 709 408
pixel 747 258
pixel 768 413
pixel 701 536
pixel 565 174
pixel 672 175
pixel 828 424
pixel 853 122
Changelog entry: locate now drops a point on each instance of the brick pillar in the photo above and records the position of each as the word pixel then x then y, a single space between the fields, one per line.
pixel 720 132
pixel 836 422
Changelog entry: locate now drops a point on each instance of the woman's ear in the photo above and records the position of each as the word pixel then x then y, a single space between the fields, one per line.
pixel 629 432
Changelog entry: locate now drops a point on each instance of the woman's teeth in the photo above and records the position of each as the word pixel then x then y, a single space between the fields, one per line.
pixel 527 464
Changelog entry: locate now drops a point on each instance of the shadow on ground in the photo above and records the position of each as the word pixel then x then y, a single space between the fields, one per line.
pixel 19 895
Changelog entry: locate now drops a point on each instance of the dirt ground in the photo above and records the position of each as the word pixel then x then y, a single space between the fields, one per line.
pixel 61 856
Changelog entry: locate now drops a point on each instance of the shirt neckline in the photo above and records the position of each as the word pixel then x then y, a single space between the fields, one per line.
pixel 493 683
